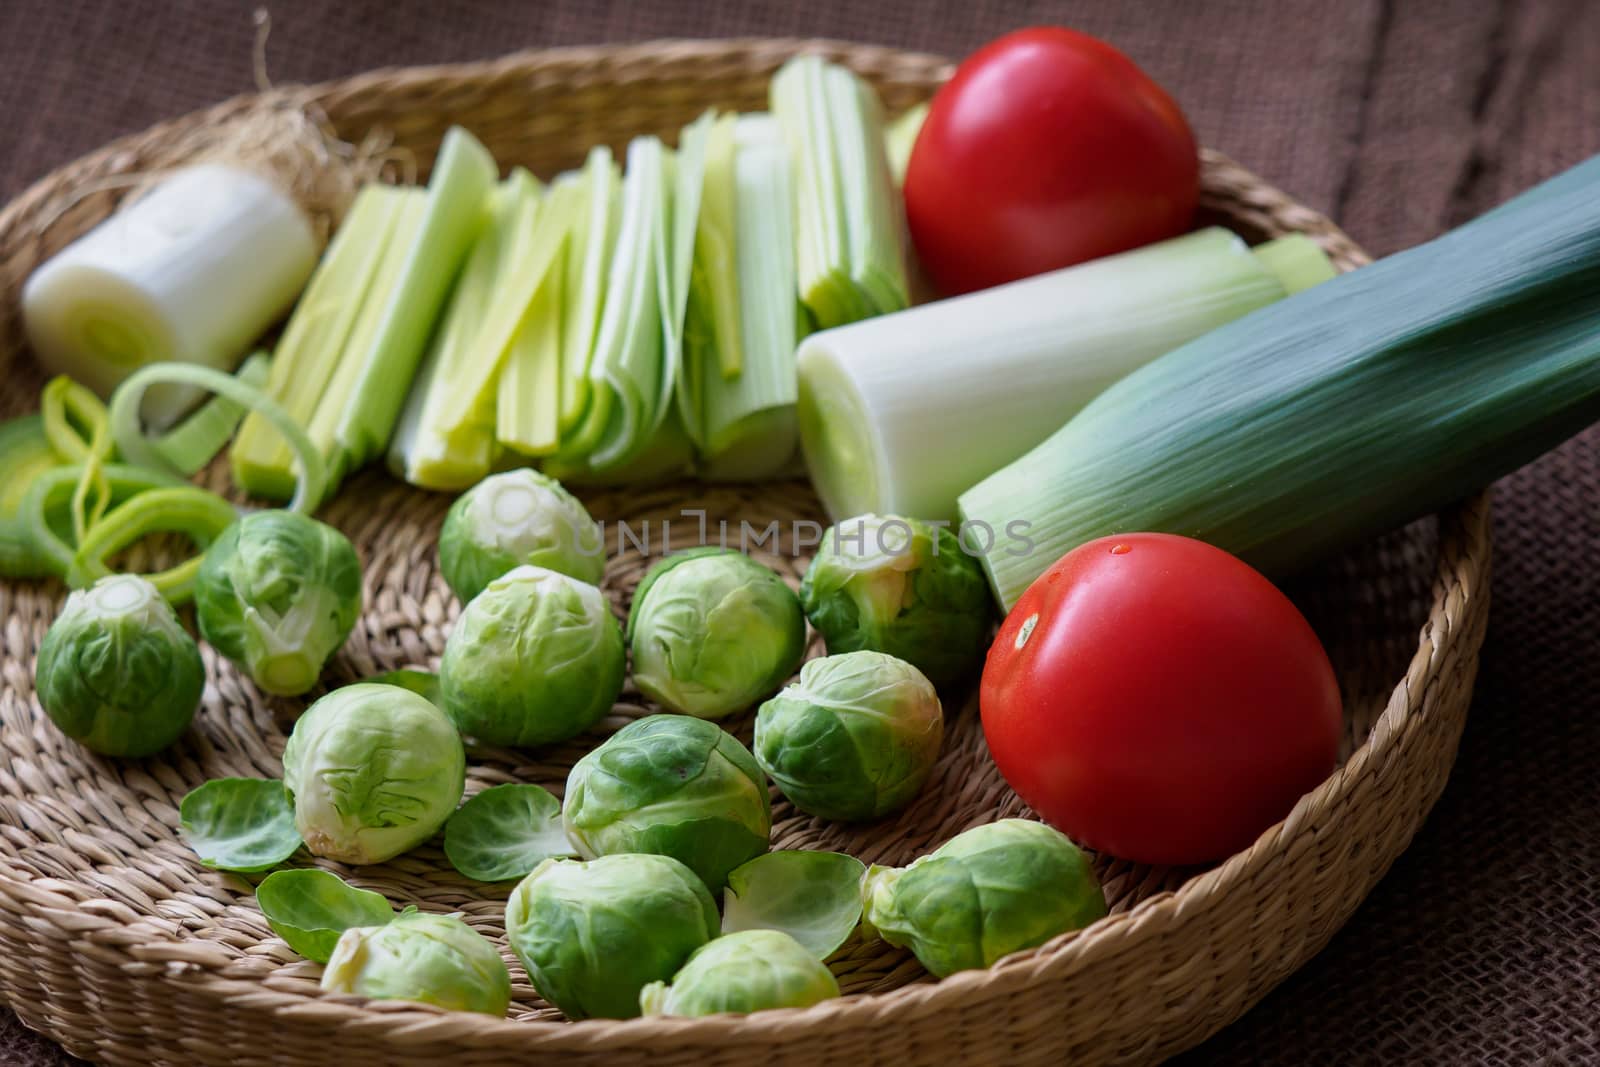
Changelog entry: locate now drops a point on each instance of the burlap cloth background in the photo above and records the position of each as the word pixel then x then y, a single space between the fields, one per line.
pixel 1398 117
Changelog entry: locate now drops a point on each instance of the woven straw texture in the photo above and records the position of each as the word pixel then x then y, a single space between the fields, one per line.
pixel 116 942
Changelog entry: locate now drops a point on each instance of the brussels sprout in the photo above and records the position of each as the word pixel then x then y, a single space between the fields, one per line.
pixel 854 738
pixel 752 970
pixel 373 770
pixel 536 657
pixel 991 891
pixel 593 934
pixel 510 519
pixel 712 632
pixel 432 959
pixel 279 592
pixel 899 586
pixel 673 786
pixel 117 672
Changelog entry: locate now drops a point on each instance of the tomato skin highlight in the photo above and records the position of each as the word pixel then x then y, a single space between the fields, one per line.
pixel 1167 702
pixel 1047 148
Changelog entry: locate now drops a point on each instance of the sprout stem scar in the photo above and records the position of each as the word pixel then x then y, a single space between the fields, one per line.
pixel 120 595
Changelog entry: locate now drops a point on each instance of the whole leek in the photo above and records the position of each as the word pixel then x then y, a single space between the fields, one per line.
pixel 900 414
pixel 1338 413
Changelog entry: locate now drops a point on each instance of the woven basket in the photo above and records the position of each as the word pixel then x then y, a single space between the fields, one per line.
pixel 116 942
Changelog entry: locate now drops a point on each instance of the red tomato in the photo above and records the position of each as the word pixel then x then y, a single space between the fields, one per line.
pixel 1047 148
pixel 1156 698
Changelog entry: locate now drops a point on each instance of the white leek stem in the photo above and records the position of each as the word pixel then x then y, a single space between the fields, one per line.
pixel 194 272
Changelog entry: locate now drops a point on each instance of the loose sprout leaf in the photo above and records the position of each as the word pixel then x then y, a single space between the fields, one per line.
pixel 814 897
pixel 310 908
pixel 504 832
pixel 423 683
pixel 240 824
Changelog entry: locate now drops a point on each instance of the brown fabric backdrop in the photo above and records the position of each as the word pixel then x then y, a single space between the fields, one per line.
pixel 1399 117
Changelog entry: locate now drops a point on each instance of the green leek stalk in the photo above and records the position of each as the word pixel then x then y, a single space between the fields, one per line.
pixel 346 369
pixel 446 438
pixel 594 242
pixel 528 406
pixel 847 214
pixel 528 401
pixel 632 428
pixel 901 138
pixel 1336 414
pixel 458 195
pixel 315 338
pixel 25 454
pixel 625 366
pixel 742 412
pixel 195 442
pixel 902 413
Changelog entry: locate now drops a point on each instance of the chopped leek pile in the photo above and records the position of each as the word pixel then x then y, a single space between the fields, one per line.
pixel 88 484
pixel 624 323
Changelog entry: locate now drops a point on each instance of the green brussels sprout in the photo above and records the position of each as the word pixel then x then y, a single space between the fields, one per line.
pixel 593 934
pixel 900 586
pixel 279 592
pixel 536 657
pixel 854 738
pixel 514 518
pixel 431 959
pixel 673 786
pixel 712 632
pixel 373 770
pixel 117 672
pixel 751 970
pixel 989 892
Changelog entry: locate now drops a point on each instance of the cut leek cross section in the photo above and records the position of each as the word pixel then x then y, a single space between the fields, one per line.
pixel 847 215
pixel 195 441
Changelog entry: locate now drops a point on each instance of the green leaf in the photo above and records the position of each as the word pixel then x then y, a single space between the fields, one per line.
pixel 814 897
pixel 240 824
pixel 423 683
pixel 504 832
pixel 310 908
